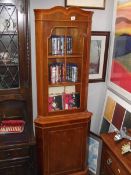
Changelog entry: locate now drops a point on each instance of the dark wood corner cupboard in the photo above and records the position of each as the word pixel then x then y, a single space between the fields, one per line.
pixel 16 125
pixel 62 57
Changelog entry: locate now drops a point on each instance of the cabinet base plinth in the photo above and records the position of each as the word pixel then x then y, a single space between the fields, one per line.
pixel 61 144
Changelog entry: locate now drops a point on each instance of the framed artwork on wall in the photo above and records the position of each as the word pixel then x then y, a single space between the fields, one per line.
pixel 98 55
pixel 94 154
pixel 116 114
pixel 93 4
pixel 119 79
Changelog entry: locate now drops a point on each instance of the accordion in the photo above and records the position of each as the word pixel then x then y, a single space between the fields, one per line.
pixel 12 126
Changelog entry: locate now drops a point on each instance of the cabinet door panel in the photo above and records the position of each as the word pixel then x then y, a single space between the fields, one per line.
pixel 66 150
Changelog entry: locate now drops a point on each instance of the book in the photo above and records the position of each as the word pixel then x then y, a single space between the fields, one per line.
pixel 63 98
pixel 56 72
pixel 72 72
pixel 55 103
pixel 71 101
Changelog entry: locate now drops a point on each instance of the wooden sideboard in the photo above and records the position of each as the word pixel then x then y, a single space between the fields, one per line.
pixel 113 162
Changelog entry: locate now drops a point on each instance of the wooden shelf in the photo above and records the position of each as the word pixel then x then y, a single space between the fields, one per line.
pixel 64 84
pixel 66 55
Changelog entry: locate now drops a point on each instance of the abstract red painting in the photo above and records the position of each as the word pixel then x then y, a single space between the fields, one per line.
pixel 121 62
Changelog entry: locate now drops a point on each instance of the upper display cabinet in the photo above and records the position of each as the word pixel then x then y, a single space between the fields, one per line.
pixel 62 46
pixel 12 44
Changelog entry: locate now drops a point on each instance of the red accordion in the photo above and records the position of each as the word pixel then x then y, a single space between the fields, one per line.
pixel 11 126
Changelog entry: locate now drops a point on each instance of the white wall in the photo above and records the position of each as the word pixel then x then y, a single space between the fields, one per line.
pixel 101 22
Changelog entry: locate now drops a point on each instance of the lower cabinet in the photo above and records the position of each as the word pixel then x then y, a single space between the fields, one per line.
pixel 62 144
pixel 18 160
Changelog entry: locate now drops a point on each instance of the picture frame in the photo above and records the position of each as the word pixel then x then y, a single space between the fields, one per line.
pixel 119 79
pixel 98 56
pixel 93 4
pixel 116 113
pixel 94 154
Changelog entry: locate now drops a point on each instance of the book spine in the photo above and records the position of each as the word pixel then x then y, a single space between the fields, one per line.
pixel 74 73
pixel 58 45
pixel 52 73
pixel 62 45
pixel 56 72
pixel 54 44
pixel 69 44
pixel 67 72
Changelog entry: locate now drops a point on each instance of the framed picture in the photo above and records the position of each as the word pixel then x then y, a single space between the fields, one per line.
pixel 98 55
pixel 119 79
pixel 116 114
pixel 94 154
pixel 92 4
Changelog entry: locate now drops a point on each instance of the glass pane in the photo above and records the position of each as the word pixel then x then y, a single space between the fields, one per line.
pixel 9 58
pixel 64 98
pixel 65 61
pixel 65 41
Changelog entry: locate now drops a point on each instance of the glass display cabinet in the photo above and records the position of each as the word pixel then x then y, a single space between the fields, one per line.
pixel 16 124
pixel 62 62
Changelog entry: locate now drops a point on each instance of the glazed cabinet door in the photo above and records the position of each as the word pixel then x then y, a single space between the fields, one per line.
pixel 65 69
pixel 12 44
pixel 62 51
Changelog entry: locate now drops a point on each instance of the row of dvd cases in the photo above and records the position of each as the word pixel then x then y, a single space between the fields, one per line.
pixel 61 45
pixel 57 73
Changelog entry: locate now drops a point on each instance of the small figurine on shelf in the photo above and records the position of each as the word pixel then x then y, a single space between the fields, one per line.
pixel 126 148
pixel 122 134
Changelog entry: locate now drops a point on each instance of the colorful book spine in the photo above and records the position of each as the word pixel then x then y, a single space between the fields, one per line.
pixel 56 72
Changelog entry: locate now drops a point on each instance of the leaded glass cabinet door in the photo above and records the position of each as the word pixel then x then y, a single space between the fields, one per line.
pixel 12 40
pixel 9 57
